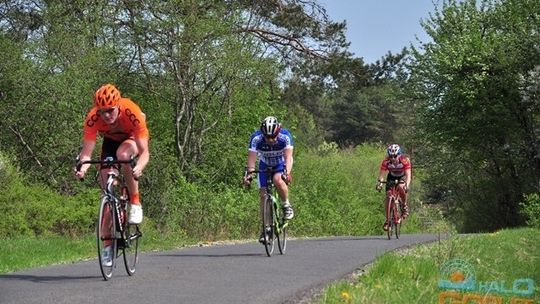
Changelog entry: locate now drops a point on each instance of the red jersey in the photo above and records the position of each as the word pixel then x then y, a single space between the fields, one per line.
pixel 396 169
pixel 131 123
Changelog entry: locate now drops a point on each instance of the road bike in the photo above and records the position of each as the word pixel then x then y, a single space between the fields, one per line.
pixel 274 223
pixel 393 208
pixel 112 228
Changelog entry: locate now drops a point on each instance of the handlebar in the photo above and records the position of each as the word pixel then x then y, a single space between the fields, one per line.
pixel 106 163
pixel 399 181
pixel 268 170
pixel 394 181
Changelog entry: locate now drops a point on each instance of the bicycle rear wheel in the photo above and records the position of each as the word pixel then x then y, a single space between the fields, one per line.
pixel 268 226
pixel 282 232
pixel 131 248
pixel 106 232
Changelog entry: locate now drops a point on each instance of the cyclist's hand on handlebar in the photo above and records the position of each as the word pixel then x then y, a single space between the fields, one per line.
pixel 79 174
pixel 248 177
pixel 378 187
pixel 80 170
pixel 137 172
pixel 287 178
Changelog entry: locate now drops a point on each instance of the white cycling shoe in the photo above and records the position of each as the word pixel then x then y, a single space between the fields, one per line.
pixel 106 256
pixel 135 214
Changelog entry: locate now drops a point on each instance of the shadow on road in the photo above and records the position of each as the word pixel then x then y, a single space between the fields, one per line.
pixel 41 279
pixel 212 255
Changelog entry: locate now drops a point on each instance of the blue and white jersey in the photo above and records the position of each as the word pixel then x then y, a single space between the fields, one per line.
pixel 271 154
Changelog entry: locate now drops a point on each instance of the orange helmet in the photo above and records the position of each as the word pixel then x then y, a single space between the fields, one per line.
pixel 107 96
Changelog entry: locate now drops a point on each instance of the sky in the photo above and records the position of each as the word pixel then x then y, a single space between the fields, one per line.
pixel 375 27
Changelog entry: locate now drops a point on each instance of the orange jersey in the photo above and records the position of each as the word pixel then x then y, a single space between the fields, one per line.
pixel 131 123
pixel 396 169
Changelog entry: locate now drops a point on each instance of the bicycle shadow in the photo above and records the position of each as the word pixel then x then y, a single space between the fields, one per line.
pixel 45 279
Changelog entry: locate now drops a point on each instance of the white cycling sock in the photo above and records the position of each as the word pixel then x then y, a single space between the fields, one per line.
pixel 285 203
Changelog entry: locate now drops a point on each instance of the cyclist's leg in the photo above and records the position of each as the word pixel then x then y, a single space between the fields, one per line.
pixel 283 192
pixel 125 152
pixel 403 197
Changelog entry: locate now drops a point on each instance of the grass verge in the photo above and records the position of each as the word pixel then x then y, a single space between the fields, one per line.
pixel 496 261
pixel 30 252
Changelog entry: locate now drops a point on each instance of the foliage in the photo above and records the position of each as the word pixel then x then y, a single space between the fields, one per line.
pixel 34 210
pixel 477 130
pixel 530 208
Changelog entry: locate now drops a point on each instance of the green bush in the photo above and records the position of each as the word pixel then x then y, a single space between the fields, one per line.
pixel 37 210
pixel 530 208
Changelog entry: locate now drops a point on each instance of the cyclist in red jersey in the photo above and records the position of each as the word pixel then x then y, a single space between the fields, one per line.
pixel 398 167
pixel 123 126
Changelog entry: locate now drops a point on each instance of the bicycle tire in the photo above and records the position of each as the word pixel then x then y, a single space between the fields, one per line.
pixel 390 223
pixel 106 232
pixel 397 207
pixel 268 226
pixel 281 234
pixel 131 248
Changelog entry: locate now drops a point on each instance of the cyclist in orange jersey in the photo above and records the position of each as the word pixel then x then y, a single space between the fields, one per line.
pixel 123 126
pixel 398 167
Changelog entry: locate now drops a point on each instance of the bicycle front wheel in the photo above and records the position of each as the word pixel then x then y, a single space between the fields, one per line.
pixel 106 240
pixel 268 226
pixel 397 216
pixel 281 234
pixel 131 248
pixel 390 217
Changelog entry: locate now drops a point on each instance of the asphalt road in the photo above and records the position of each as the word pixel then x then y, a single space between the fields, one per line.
pixel 216 274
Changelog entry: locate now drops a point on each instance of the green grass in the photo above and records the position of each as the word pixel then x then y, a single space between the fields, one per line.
pixel 412 276
pixel 30 252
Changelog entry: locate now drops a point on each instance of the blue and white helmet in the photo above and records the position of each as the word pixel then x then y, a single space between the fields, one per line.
pixel 270 126
pixel 393 150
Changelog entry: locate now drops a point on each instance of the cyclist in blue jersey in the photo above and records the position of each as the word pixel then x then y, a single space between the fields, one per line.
pixel 273 146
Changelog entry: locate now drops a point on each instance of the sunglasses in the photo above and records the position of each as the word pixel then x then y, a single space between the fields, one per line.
pixel 106 111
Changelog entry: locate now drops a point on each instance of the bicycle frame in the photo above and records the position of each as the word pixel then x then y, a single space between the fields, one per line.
pixel 112 227
pixel 273 223
pixel 270 198
pixel 393 208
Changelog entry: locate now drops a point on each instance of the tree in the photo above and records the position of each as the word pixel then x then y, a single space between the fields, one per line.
pixel 477 129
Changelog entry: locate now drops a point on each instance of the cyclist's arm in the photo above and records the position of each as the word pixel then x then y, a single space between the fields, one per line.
pixel 383 171
pixel 408 176
pixel 288 156
pixel 251 159
pixel 86 154
pixel 144 155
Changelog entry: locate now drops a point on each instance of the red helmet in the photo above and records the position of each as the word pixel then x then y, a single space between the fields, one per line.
pixel 107 97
